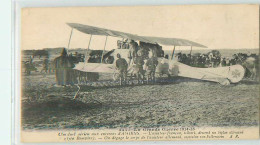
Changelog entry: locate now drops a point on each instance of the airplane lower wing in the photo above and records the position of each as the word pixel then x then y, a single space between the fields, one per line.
pixel 222 75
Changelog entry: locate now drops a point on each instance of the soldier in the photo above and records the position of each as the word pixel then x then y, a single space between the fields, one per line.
pixel 158 51
pixel 188 59
pixel 63 69
pixel 211 59
pixel 29 66
pixel 31 60
pixel 141 52
pixel 139 71
pixel 45 66
pixel 222 62
pixel 125 44
pixel 151 64
pixel 132 52
pixel 119 44
pixel 122 65
pixel 227 62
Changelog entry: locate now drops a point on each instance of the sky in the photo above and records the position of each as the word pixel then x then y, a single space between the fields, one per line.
pixel 215 26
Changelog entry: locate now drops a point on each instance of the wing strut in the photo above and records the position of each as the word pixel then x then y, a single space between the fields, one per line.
pixel 103 50
pixel 70 38
pixel 86 54
pixel 173 52
pixel 190 50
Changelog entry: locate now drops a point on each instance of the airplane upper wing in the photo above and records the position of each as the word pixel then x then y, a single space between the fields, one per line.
pixel 106 32
pixel 174 41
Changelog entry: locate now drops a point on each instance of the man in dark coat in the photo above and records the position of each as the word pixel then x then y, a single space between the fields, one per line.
pixel 151 64
pixel 138 69
pixel 63 69
pixel 122 65
pixel 45 65
pixel 133 46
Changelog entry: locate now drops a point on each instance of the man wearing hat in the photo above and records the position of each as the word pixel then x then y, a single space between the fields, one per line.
pixel 151 64
pixel 139 63
pixel 133 46
pixel 122 66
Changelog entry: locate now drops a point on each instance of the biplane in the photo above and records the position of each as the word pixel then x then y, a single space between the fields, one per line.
pixel 169 66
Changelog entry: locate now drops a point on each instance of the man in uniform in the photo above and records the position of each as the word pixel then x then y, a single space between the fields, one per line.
pixel 45 66
pixel 63 69
pixel 139 71
pixel 122 65
pixel 211 59
pixel 141 52
pixel 29 66
pixel 151 64
pixel 133 46
pixel 125 44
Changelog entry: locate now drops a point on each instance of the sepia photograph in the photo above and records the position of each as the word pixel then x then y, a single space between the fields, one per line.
pixel 183 72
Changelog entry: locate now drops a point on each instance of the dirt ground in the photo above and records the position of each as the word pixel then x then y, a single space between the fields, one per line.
pixel 183 102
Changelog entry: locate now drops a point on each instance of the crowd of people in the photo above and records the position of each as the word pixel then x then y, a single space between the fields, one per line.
pixel 139 55
pixel 137 69
pixel 213 59
pixel 142 47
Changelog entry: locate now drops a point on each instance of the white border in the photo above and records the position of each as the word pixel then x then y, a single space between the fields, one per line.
pixel 5 72
pixel 16 31
pixel 16 63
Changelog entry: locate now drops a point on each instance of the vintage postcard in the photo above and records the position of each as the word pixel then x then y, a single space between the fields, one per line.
pixel 139 73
